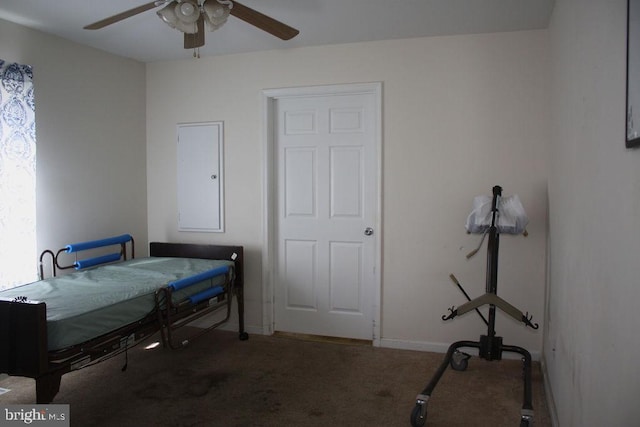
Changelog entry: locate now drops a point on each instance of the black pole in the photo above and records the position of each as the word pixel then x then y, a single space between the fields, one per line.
pixel 493 245
pixel 491 348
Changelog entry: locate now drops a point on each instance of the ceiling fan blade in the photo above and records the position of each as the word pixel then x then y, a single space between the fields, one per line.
pixel 120 16
pixel 263 22
pixel 192 41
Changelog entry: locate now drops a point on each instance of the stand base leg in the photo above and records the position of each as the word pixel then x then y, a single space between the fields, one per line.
pixel 527 406
pixel 419 413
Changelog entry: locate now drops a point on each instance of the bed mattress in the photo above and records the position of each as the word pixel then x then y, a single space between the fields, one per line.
pixel 86 304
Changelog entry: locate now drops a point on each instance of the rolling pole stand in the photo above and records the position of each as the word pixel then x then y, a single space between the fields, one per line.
pixel 490 346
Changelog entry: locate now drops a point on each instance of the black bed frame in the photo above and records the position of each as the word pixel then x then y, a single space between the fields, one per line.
pixel 23 326
pixel 490 346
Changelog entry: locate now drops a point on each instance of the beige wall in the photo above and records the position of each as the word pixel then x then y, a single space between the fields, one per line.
pixel 591 345
pixel 460 114
pixel 90 110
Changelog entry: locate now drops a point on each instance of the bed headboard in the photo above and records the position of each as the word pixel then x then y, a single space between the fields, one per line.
pixel 189 250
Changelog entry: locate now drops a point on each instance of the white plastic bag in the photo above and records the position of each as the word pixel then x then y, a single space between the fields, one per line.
pixel 511 219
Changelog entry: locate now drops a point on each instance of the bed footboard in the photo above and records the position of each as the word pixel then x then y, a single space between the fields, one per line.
pixel 235 253
pixel 24 352
pixel 23 334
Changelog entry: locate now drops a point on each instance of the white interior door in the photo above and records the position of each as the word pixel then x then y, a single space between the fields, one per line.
pixel 327 175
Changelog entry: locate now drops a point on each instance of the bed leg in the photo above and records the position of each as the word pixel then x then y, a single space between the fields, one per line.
pixel 242 334
pixel 47 386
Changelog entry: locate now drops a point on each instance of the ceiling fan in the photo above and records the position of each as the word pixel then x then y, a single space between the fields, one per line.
pixel 192 17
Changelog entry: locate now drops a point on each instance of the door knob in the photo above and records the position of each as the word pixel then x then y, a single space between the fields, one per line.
pixel 368 231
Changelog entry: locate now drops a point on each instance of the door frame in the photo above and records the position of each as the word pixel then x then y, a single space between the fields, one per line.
pixel 269 191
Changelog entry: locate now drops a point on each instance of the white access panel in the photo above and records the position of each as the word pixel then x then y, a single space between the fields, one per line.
pixel 200 177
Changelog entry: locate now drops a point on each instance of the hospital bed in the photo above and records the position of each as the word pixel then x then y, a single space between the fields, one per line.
pixel 112 302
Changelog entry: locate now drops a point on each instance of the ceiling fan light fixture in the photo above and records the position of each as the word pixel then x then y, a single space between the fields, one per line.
pixel 216 22
pixel 215 10
pixel 211 26
pixel 186 27
pixel 187 12
pixel 216 14
pixel 168 14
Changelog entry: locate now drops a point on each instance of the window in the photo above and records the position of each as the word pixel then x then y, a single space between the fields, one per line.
pixel 18 263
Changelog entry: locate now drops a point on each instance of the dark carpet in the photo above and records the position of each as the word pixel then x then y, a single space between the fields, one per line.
pixel 218 380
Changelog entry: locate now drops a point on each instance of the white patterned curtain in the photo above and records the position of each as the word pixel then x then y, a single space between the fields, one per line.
pixel 18 262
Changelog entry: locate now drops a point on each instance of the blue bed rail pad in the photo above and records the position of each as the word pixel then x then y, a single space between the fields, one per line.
pixel 83 246
pixel 90 262
pixel 192 280
pixel 206 294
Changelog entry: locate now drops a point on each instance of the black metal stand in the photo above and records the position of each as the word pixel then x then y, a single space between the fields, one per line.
pixel 490 346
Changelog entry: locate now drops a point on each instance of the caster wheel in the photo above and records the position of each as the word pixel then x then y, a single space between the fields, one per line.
pixel 459 361
pixel 243 336
pixel 525 423
pixel 418 415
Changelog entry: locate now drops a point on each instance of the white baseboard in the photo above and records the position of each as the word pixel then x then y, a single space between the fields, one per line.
pixel 392 343
pixel 443 347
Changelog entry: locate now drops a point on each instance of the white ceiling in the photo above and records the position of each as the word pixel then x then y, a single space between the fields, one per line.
pixel 145 38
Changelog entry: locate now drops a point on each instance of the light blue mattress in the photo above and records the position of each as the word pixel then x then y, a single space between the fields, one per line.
pixel 86 304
